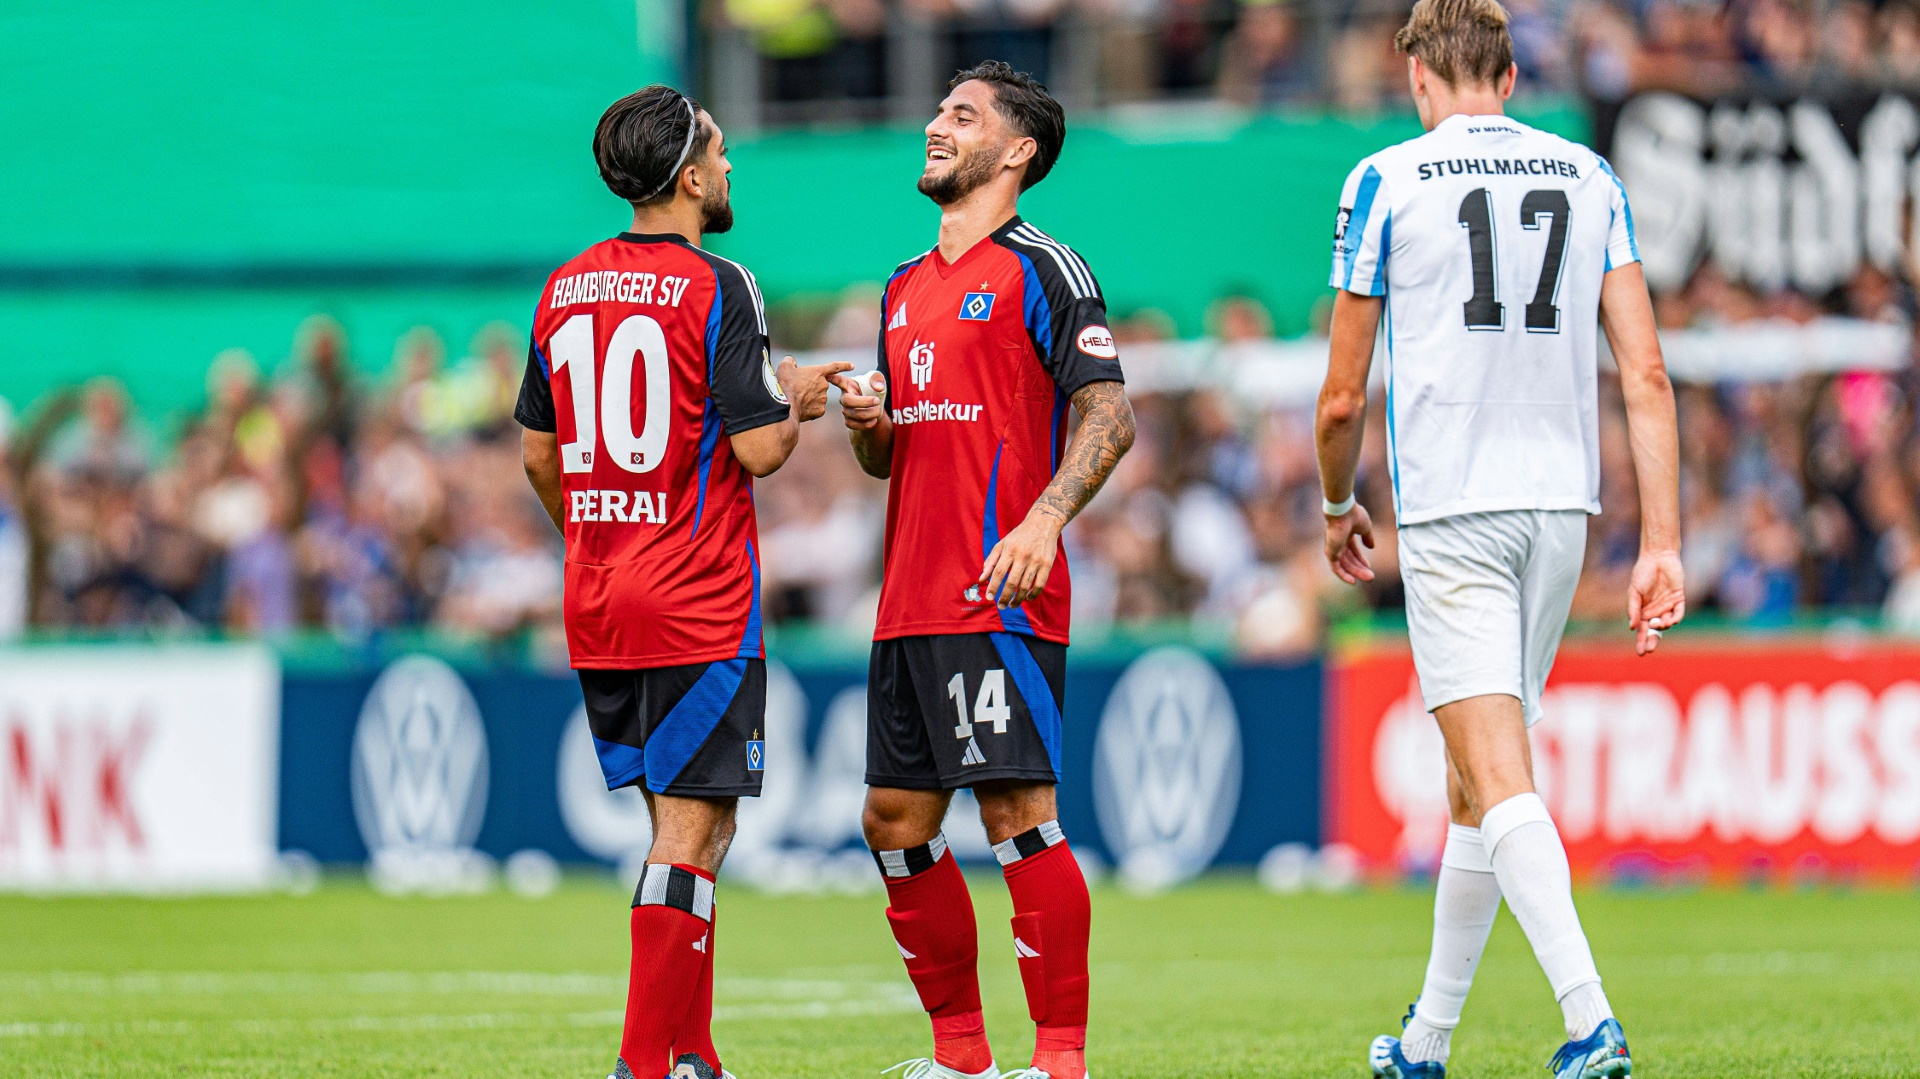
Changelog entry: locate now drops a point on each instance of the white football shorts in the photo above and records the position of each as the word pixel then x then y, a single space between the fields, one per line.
pixel 1487 601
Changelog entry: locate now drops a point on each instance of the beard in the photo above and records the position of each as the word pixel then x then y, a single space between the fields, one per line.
pixel 716 213
pixel 968 173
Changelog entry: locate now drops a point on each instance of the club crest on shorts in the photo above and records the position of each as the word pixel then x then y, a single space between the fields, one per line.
pixel 976 307
pixel 756 753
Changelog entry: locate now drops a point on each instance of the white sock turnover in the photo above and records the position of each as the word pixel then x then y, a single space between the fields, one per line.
pixel 1531 865
pixel 1466 899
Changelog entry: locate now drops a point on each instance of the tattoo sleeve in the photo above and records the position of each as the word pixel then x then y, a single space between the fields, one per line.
pixel 875 458
pixel 1105 435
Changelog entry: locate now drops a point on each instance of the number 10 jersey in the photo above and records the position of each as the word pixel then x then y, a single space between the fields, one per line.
pixel 647 353
pixel 1489 240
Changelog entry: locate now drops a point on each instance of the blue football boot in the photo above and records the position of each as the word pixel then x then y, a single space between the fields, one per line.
pixel 1600 1055
pixel 1390 1063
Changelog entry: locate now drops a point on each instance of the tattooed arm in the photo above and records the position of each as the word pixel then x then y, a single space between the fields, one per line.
pixel 1017 568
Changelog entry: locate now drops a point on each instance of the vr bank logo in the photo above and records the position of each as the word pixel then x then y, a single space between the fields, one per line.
pixel 420 779
pixel 1166 767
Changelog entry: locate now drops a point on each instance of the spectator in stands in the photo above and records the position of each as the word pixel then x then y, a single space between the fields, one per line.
pixel 1261 62
pixel 1846 57
pixel 1539 48
pixel 1783 42
pixel 1365 70
pixel 505 570
pixel 1761 585
pixel 106 442
pixel 1899 33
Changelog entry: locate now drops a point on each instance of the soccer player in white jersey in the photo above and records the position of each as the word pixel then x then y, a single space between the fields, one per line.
pixel 1494 253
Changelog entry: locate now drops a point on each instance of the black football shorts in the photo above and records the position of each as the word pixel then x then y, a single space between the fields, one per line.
pixel 951 710
pixel 696 731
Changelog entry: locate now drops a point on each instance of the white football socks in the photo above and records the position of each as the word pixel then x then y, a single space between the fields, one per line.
pixel 1531 865
pixel 1466 898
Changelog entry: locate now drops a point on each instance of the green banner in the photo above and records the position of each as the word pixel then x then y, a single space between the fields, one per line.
pixel 189 178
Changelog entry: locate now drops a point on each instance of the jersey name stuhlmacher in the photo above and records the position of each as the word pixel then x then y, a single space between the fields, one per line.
pixel 1489 240
pixel 1480 166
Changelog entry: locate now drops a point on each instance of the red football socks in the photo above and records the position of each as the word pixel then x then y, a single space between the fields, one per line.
pixel 696 1033
pixel 1051 923
pixel 672 923
pixel 932 918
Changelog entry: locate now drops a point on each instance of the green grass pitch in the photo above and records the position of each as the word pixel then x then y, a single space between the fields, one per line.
pixel 1218 979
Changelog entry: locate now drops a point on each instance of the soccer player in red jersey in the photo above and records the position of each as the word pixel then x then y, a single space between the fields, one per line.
pixel 985 340
pixel 646 351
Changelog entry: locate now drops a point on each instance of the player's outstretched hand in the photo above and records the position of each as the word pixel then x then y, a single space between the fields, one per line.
pixel 1017 568
pixel 862 400
pixel 1656 598
pixel 1349 537
pixel 806 387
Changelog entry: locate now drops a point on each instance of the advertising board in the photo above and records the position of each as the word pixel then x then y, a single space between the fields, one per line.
pixel 1721 760
pixel 138 767
pixel 1172 762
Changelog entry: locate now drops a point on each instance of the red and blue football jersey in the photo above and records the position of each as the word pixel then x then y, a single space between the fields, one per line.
pixel 981 356
pixel 655 351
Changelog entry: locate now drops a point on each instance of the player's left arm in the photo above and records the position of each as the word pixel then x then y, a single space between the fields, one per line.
pixel 1017 568
pixel 1657 596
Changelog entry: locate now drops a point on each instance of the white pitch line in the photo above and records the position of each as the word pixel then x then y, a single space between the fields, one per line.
pixel 451 983
pixel 739 1000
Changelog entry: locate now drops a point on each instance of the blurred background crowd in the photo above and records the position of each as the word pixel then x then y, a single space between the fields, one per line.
pixel 777 61
pixel 323 491
pixel 310 499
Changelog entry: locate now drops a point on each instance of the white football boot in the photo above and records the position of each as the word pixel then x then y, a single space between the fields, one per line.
pixel 924 1068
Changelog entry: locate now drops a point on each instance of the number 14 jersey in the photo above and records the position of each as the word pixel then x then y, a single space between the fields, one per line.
pixel 647 353
pixel 1489 240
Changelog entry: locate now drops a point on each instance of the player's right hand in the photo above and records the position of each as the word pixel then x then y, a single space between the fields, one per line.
pixel 806 387
pixel 863 411
pixel 1349 537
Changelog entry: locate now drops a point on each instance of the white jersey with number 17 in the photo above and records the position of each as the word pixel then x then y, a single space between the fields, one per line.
pixel 1488 239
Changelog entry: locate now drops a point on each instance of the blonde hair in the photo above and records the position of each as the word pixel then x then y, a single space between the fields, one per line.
pixel 1464 42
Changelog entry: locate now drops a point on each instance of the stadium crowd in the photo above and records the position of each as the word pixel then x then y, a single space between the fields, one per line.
pixel 320 499
pixel 1333 52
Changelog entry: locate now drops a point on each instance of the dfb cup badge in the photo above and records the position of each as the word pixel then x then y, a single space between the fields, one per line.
pixel 420 779
pixel 1167 767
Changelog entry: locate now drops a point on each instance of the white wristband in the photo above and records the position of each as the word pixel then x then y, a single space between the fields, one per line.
pixel 1336 509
